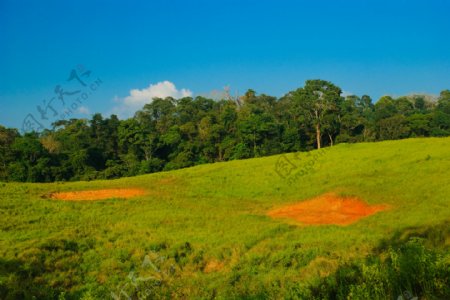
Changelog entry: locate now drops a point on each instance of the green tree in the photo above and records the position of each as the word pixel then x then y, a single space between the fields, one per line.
pixel 7 138
pixel 420 124
pixel 351 120
pixel 441 115
pixel 392 128
pixel 317 99
pixel 384 108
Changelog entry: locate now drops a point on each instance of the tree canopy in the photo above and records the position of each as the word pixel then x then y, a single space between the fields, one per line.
pixel 169 134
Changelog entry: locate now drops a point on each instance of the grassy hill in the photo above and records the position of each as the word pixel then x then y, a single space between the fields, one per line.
pixel 204 232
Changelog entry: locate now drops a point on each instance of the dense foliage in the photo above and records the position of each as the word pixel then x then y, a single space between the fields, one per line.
pixel 170 134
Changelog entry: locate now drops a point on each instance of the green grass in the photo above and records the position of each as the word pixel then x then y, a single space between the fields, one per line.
pixel 206 232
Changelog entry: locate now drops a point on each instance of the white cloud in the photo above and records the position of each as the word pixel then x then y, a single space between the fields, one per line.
pixel 84 110
pixel 139 97
pixel 159 90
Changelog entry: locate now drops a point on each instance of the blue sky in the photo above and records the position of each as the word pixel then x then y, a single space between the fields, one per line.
pixel 365 47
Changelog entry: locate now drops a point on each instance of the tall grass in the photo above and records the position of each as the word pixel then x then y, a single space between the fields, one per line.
pixel 206 229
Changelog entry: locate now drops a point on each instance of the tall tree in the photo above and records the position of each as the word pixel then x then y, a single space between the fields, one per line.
pixel 318 98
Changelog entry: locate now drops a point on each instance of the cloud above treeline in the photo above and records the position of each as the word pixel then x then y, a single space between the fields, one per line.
pixel 159 90
pixel 84 110
pixel 126 107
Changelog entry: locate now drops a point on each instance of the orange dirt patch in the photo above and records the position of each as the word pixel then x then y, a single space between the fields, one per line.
pixel 97 194
pixel 213 266
pixel 328 209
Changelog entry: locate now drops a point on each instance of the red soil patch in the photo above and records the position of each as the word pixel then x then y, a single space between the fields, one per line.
pixel 328 209
pixel 97 194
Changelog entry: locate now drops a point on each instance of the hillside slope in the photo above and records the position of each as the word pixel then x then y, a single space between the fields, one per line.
pixel 204 232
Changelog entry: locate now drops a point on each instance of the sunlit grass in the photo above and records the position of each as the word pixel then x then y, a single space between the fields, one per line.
pixel 217 212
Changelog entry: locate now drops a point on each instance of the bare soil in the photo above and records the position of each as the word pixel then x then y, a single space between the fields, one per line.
pixel 97 194
pixel 328 209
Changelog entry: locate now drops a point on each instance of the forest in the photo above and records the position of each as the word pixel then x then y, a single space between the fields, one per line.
pixel 169 134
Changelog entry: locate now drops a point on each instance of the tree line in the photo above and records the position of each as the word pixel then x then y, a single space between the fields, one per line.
pixel 169 134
